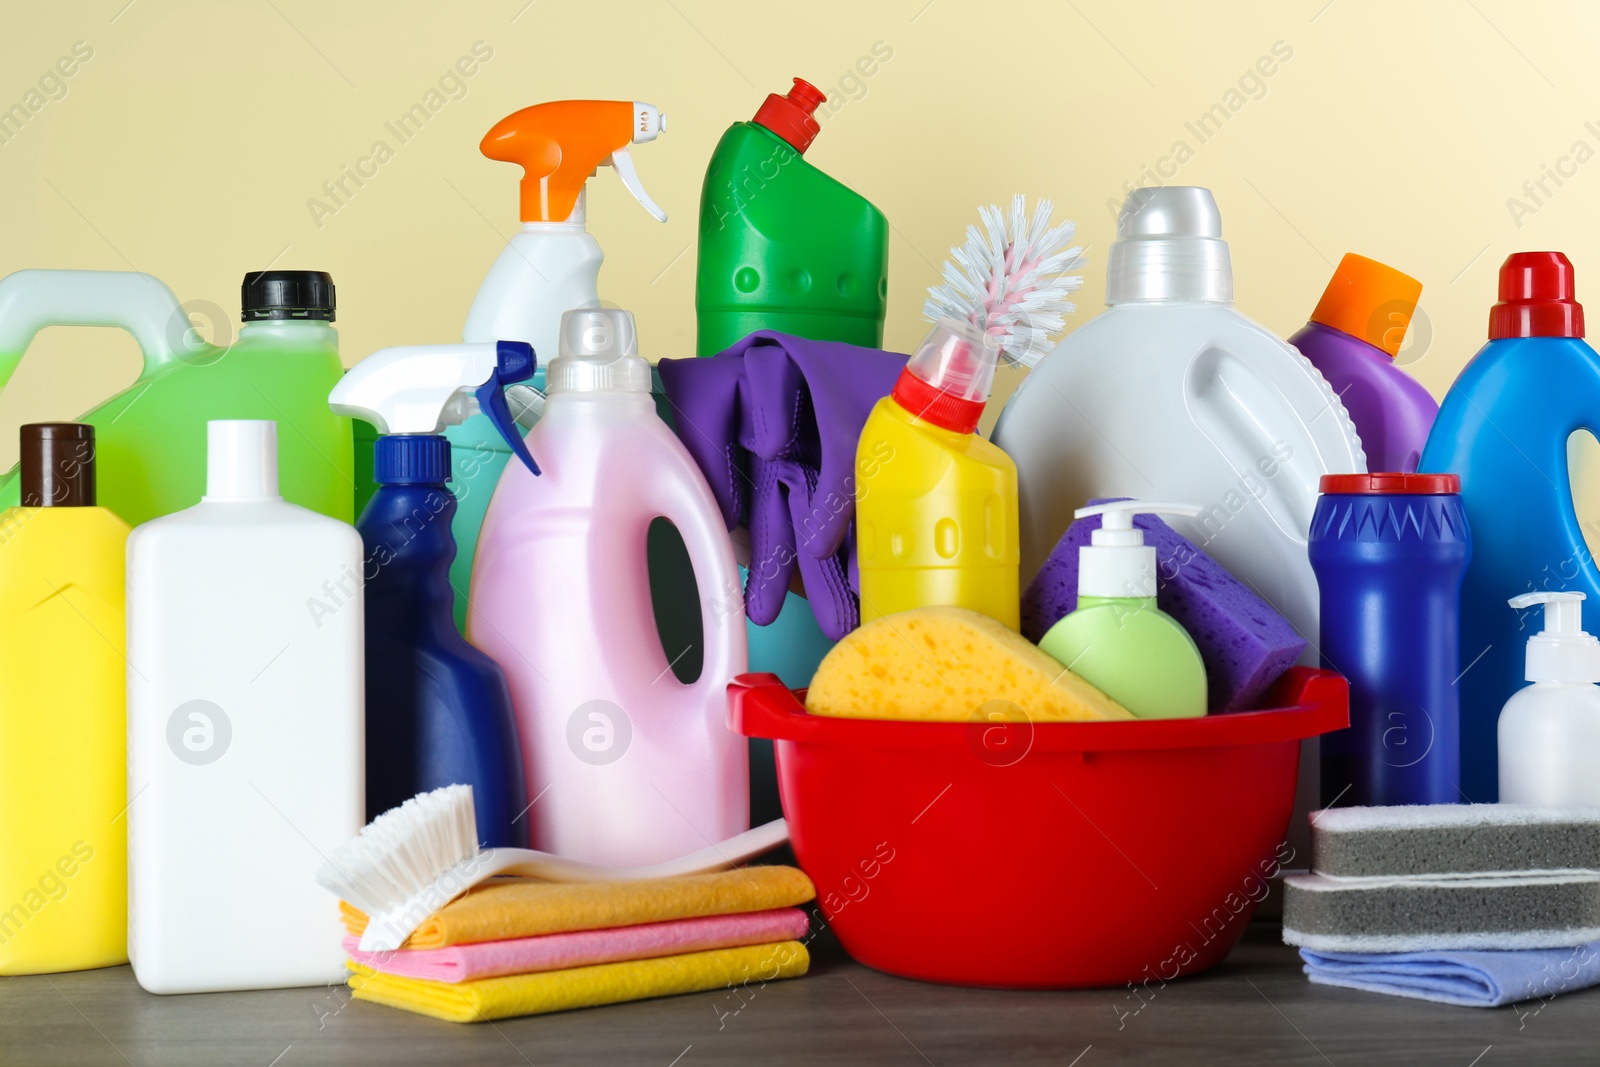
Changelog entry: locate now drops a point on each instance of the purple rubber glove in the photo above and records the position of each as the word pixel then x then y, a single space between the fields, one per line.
pixel 773 423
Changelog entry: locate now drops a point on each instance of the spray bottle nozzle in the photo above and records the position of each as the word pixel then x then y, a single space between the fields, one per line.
pixel 1562 651
pixel 514 362
pixel 1116 562
pixel 421 389
pixel 559 144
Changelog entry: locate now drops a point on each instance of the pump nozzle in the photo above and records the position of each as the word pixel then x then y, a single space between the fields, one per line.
pixel 421 389
pixel 1562 651
pixel 559 144
pixel 1116 562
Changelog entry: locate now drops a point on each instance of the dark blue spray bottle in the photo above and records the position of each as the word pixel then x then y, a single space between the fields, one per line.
pixel 438 709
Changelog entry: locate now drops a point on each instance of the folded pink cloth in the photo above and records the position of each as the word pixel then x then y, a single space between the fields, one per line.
pixel 581 948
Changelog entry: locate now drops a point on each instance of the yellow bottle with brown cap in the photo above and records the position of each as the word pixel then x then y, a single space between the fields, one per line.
pixel 63 730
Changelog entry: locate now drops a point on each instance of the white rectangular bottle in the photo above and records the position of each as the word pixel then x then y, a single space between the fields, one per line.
pixel 245 718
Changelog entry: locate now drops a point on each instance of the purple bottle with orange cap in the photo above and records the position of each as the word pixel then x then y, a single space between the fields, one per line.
pixel 1503 427
pixel 1353 337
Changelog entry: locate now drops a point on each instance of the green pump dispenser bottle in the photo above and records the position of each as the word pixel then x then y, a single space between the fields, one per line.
pixel 1118 640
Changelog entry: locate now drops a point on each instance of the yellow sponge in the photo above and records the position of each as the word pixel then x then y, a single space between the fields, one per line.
pixel 949 664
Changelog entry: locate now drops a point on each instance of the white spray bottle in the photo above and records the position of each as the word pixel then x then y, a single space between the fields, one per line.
pixel 551 266
pixel 244 729
pixel 1550 731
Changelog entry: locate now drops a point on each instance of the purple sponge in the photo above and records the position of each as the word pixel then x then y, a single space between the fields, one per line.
pixel 1245 644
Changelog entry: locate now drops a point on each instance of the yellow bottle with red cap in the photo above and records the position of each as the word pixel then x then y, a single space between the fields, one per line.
pixel 551 266
pixel 936 505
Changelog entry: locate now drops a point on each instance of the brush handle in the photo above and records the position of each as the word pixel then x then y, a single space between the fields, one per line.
pixel 388 931
pixel 720 856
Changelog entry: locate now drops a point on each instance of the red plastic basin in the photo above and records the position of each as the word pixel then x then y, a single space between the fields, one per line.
pixel 1040 856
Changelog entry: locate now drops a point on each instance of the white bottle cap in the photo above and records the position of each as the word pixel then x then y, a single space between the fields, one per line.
pixel 1117 562
pixel 598 352
pixel 241 459
pixel 1562 651
pixel 1169 247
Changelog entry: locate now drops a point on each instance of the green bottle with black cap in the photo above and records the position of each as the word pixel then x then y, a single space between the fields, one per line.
pixel 151 438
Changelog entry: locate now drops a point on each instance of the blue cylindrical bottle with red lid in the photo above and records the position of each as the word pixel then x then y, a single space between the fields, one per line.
pixel 1390 551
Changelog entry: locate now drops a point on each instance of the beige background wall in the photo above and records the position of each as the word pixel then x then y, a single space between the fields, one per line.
pixel 191 142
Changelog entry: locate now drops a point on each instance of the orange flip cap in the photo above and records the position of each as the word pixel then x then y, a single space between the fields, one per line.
pixel 559 145
pixel 1369 300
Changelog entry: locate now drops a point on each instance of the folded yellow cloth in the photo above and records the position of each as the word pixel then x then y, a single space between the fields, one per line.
pixel 526 907
pixel 581 987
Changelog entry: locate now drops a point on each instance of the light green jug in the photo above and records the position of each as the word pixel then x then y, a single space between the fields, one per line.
pixel 150 439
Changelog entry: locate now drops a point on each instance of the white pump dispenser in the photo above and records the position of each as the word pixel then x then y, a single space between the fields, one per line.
pixel 1561 652
pixel 1550 731
pixel 1116 561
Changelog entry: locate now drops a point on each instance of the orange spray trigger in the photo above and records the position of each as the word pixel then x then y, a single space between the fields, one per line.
pixel 559 144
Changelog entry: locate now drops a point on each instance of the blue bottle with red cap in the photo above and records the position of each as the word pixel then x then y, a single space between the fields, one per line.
pixel 1503 427
pixel 1389 551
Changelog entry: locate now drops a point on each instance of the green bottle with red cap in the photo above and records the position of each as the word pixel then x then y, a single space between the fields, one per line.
pixel 784 246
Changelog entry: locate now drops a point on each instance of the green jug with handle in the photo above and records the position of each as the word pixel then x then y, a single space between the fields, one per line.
pixel 150 439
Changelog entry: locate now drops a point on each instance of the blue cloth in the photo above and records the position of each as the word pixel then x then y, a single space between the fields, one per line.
pixel 1472 979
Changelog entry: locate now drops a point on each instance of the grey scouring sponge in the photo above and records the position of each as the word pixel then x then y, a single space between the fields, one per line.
pixel 1245 644
pixel 1429 914
pixel 1453 839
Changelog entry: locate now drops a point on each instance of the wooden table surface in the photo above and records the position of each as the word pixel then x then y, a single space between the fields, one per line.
pixel 1257 1008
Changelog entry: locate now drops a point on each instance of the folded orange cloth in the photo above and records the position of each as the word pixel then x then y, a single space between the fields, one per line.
pixel 526 907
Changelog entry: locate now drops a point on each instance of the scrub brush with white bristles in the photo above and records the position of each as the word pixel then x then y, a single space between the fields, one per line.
pixel 1011 280
pixel 413 860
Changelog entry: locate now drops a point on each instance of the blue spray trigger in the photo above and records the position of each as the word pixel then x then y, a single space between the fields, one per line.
pixel 515 362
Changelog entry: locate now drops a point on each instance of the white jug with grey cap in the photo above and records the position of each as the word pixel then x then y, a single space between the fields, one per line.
pixel 1173 394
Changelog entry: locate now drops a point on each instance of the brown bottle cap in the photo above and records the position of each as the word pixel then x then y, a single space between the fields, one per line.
pixel 57 465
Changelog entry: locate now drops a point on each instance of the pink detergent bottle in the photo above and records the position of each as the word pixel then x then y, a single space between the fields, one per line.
pixel 625 764
pixel 1353 338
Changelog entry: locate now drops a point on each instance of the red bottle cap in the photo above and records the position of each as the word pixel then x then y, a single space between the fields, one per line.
pixel 790 116
pixel 1387 482
pixel 1536 298
pixel 934 405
